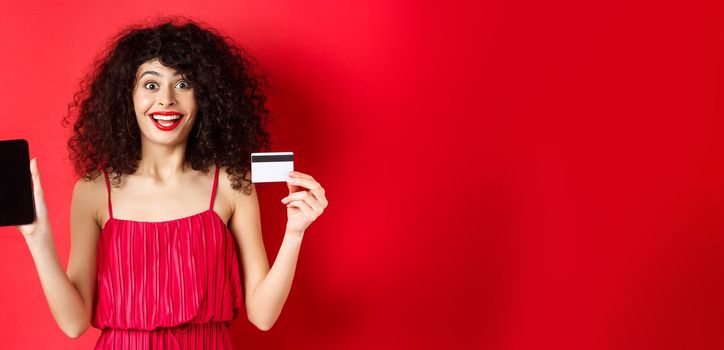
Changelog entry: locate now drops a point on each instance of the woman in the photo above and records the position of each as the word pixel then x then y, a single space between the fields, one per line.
pixel 153 259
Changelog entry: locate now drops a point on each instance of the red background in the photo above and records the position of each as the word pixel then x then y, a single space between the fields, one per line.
pixel 506 175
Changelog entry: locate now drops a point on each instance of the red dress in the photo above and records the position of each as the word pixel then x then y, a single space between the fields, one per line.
pixel 166 285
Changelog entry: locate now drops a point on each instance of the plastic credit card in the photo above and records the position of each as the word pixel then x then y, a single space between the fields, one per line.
pixel 271 166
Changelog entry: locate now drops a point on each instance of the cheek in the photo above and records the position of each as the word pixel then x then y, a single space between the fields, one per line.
pixel 140 100
pixel 190 103
pixel 140 106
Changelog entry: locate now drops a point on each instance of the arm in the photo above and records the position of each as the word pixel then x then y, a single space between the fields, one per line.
pixel 266 289
pixel 69 296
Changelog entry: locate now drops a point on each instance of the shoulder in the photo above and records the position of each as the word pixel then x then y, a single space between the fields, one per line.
pixel 89 188
pixel 89 194
pixel 235 198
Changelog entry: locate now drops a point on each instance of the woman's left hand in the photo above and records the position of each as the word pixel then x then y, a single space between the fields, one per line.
pixel 303 207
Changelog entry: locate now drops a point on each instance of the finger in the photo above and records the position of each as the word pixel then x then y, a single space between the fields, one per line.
pixel 300 174
pixel 40 209
pixel 314 186
pixel 293 188
pixel 305 182
pixel 35 173
pixel 314 194
pixel 317 208
pixel 321 197
pixel 306 197
pixel 304 207
pixel 33 168
pixel 37 194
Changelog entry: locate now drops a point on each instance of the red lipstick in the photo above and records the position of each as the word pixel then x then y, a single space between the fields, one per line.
pixel 167 127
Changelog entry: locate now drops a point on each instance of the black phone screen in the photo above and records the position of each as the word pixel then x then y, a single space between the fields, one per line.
pixel 16 188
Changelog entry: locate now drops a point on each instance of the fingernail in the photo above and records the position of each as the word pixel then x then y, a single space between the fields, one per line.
pixel 292 181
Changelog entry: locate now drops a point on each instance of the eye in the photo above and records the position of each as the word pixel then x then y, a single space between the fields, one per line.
pixel 184 84
pixel 150 83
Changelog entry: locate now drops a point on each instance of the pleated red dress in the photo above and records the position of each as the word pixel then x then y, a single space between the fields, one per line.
pixel 166 285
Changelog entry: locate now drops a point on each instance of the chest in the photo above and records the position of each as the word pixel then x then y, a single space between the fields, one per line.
pixel 150 204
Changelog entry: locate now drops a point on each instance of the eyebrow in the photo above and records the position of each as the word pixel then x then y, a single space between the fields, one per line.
pixel 154 73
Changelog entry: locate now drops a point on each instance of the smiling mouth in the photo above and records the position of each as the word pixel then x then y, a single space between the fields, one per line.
pixel 166 122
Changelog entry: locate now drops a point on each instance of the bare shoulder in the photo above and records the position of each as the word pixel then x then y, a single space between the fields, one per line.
pixel 88 197
pixel 230 194
pixel 233 200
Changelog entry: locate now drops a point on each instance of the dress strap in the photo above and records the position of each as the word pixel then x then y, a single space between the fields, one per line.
pixel 213 191
pixel 108 187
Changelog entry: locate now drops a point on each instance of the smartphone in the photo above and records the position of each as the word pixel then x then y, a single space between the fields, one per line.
pixel 16 186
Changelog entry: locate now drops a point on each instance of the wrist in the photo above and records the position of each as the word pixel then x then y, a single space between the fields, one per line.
pixel 39 239
pixel 294 234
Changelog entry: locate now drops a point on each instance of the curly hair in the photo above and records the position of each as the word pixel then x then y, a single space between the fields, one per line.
pixel 231 116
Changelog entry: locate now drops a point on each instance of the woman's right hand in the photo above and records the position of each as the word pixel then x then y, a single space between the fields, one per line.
pixel 41 222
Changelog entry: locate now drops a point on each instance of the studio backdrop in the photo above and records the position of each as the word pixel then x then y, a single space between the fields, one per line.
pixel 501 174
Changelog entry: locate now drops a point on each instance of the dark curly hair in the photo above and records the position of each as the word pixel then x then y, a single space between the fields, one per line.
pixel 231 115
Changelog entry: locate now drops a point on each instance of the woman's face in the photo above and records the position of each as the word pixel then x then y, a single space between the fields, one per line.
pixel 164 103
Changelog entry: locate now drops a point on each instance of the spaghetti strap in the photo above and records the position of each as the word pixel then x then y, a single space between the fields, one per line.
pixel 213 190
pixel 108 187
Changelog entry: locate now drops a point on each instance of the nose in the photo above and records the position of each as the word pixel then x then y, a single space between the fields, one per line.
pixel 166 97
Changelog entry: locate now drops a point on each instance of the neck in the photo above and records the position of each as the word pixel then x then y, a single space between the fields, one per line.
pixel 162 162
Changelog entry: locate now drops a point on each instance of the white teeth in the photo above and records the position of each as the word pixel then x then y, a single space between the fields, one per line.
pixel 166 117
